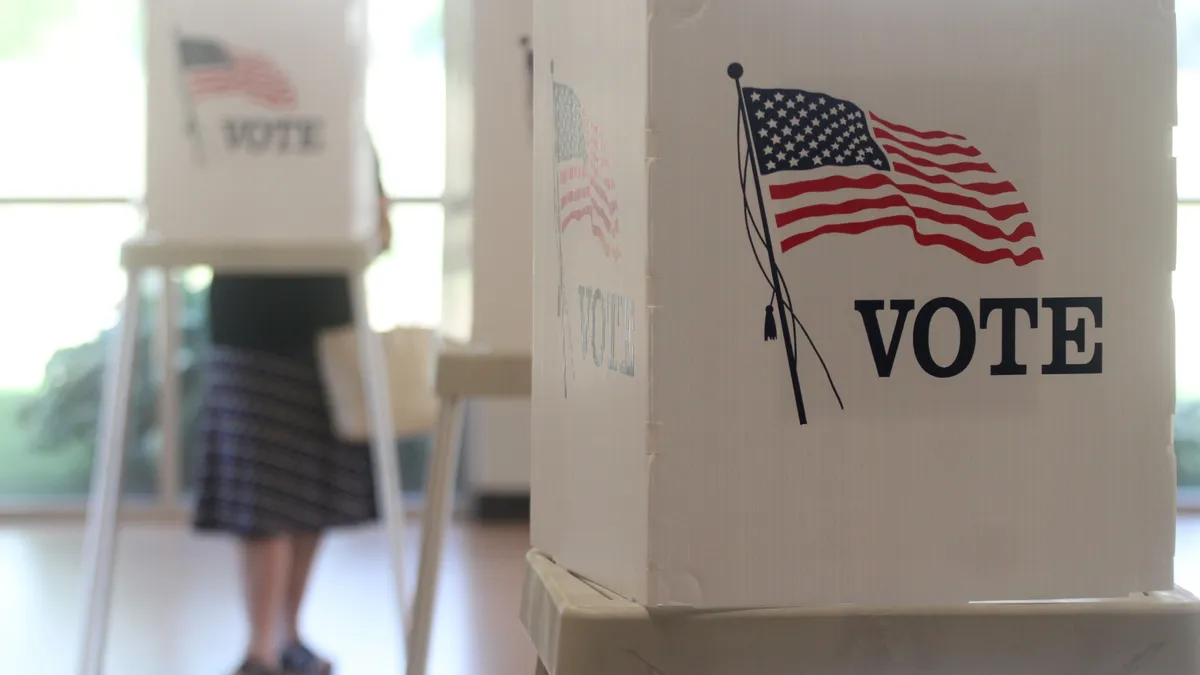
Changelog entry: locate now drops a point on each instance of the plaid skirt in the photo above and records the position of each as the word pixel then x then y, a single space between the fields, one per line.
pixel 271 463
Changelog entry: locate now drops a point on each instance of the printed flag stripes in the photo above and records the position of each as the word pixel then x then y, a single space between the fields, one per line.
pixel 832 167
pixel 212 70
pixel 586 189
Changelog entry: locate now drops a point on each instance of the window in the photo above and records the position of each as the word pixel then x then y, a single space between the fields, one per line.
pixel 406 95
pixel 59 278
pixel 73 120
pixel 1187 266
pixel 60 286
pixel 72 175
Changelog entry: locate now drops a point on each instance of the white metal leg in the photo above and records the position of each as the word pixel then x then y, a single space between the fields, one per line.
pixel 168 334
pixel 100 539
pixel 439 497
pixel 383 443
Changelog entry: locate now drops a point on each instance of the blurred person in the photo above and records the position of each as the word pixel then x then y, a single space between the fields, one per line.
pixel 274 474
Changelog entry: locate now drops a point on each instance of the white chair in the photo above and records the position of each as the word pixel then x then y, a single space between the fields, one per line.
pixel 461 374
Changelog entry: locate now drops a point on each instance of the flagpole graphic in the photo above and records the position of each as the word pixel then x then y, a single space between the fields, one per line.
pixel 568 356
pixel 189 103
pixel 735 72
pixel 527 46
pixel 831 166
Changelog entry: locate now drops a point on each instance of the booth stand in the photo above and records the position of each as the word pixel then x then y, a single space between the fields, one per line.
pixel 142 255
pixel 581 628
pixel 462 374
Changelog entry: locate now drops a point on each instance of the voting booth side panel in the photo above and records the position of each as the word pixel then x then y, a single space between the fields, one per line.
pixel 912 263
pixel 255 121
pixel 592 446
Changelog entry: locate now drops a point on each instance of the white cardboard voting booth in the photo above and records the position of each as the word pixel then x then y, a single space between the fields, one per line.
pixel 854 301
pixel 256 133
pixel 258 162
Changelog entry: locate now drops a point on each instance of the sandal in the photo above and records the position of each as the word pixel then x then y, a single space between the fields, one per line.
pixel 255 667
pixel 297 659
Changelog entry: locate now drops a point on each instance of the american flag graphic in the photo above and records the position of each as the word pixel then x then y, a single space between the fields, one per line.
pixel 586 190
pixel 213 70
pixel 830 167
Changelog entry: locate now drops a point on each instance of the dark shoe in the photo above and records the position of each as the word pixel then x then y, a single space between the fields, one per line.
pixel 300 660
pixel 255 667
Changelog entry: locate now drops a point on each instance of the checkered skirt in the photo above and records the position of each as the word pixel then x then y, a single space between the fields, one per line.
pixel 272 465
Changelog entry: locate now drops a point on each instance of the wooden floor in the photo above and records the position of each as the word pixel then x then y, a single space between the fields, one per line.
pixel 176 608
pixel 176 603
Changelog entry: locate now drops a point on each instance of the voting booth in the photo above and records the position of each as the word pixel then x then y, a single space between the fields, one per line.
pixel 258 163
pixel 255 117
pixel 856 302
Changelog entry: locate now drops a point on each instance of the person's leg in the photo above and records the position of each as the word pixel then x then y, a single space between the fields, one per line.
pixel 297 658
pixel 265 575
pixel 303 552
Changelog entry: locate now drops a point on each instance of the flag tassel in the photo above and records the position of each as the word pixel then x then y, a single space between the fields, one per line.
pixel 769 332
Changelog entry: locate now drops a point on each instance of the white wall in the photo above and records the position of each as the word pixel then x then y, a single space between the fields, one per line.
pixel 498 459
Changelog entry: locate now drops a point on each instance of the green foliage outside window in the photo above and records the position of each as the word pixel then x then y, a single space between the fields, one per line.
pixel 1187 443
pixel 66 412
pixel 65 415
